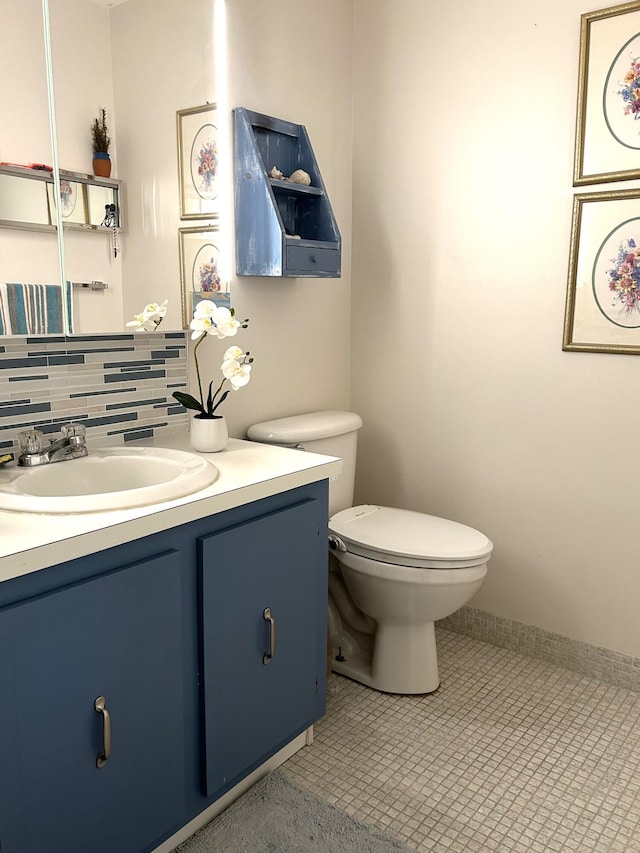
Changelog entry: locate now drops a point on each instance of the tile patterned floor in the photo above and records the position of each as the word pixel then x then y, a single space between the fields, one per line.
pixel 509 754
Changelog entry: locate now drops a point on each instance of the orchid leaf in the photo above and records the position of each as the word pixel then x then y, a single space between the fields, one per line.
pixel 220 401
pixel 209 408
pixel 188 401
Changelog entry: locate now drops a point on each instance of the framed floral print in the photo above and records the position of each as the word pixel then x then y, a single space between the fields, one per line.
pixel 602 311
pixel 73 196
pixel 200 278
pixel 608 115
pixel 198 162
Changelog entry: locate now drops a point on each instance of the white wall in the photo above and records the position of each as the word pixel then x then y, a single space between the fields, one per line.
pixel 293 60
pixel 463 151
pixel 158 69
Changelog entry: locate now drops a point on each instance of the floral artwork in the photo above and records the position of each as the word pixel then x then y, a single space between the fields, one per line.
pixel 624 278
pixel 208 277
pixel 630 91
pixel 207 168
pixel 67 197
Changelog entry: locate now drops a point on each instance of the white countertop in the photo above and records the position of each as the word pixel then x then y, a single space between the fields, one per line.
pixel 247 472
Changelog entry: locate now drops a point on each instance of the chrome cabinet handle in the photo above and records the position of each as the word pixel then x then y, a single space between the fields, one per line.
pixel 266 615
pixel 101 708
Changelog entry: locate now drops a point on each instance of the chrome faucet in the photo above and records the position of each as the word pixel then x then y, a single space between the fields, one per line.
pixel 34 449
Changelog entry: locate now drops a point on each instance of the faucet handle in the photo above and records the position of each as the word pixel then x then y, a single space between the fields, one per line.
pixel 76 433
pixel 30 441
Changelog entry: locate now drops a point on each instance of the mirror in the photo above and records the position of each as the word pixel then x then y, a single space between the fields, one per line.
pixel 142 66
pixel 25 256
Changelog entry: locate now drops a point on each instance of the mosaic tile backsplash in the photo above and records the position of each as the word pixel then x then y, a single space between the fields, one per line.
pixel 119 387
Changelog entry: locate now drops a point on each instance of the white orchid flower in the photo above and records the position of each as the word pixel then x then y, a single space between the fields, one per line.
pixel 150 317
pixel 225 323
pixel 233 353
pixel 212 319
pixel 238 373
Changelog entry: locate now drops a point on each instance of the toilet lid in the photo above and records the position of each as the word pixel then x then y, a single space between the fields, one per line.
pixel 410 538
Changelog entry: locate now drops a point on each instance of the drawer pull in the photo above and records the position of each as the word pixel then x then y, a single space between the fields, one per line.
pixel 101 708
pixel 266 615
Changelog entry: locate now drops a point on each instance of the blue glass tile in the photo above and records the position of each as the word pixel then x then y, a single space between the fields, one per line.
pixel 100 350
pixel 135 436
pixel 101 393
pixel 137 430
pixel 65 359
pixel 127 364
pixel 54 339
pixel 76 338
pixel 28 378
pixel 14 402
pixel 110 419
pixel 167 353
pixel 18 363
pixel 31 408
pixel 120 377
pixel 135 403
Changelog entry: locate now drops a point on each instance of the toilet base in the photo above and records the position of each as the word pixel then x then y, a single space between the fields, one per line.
pixel 400 660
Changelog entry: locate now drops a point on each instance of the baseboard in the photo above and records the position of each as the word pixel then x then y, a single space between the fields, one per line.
pixel 592 661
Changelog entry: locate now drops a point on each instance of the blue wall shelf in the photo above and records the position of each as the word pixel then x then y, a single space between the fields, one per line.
pixel 282 228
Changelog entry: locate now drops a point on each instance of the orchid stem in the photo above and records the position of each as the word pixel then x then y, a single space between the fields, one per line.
pixel 195 358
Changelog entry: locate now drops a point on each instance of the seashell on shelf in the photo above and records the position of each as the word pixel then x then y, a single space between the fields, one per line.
pixel 300 177
pixel 276 174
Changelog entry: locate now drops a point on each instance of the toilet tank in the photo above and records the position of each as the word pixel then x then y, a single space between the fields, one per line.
pixel 332 433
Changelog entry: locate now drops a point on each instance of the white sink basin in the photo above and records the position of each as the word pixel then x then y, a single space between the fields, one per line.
pixel 106 479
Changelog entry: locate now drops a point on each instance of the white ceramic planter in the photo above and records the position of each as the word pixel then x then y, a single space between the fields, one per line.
pixel 208 435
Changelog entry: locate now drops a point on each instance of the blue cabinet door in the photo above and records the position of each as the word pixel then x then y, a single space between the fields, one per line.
pixel 117 636
pixel 262 681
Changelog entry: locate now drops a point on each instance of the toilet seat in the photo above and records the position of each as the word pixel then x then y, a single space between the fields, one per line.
pixel 407 538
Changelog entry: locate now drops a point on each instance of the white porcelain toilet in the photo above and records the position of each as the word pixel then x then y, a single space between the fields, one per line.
pixel 396 571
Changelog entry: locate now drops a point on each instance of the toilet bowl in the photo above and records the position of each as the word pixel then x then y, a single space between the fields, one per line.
pixel 393 572
pixel 404 570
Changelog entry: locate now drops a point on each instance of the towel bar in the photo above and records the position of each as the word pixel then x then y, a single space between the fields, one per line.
pixel 92 285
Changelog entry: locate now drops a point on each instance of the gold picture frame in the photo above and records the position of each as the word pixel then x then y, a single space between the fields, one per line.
pixel 197 131
pixel 608 113
pixel 199 252
pixel 602 312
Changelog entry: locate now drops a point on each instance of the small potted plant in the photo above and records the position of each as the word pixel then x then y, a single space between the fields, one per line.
pixel 209 429
pixel 101 142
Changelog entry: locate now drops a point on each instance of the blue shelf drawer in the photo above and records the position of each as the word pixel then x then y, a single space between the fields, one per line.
pixel 309 260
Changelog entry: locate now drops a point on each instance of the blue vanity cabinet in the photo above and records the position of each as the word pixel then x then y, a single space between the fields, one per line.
pixel 171 630
pixel 116 636
pixel 282 228
pixel 263 629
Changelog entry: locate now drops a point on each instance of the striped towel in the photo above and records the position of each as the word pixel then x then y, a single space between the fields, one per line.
pixel 35 309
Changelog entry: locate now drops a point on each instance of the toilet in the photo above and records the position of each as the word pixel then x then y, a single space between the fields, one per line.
pixel 393 572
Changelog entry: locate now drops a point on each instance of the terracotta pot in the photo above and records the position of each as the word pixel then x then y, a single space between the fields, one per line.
pixel 208 435
pixel 101 164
